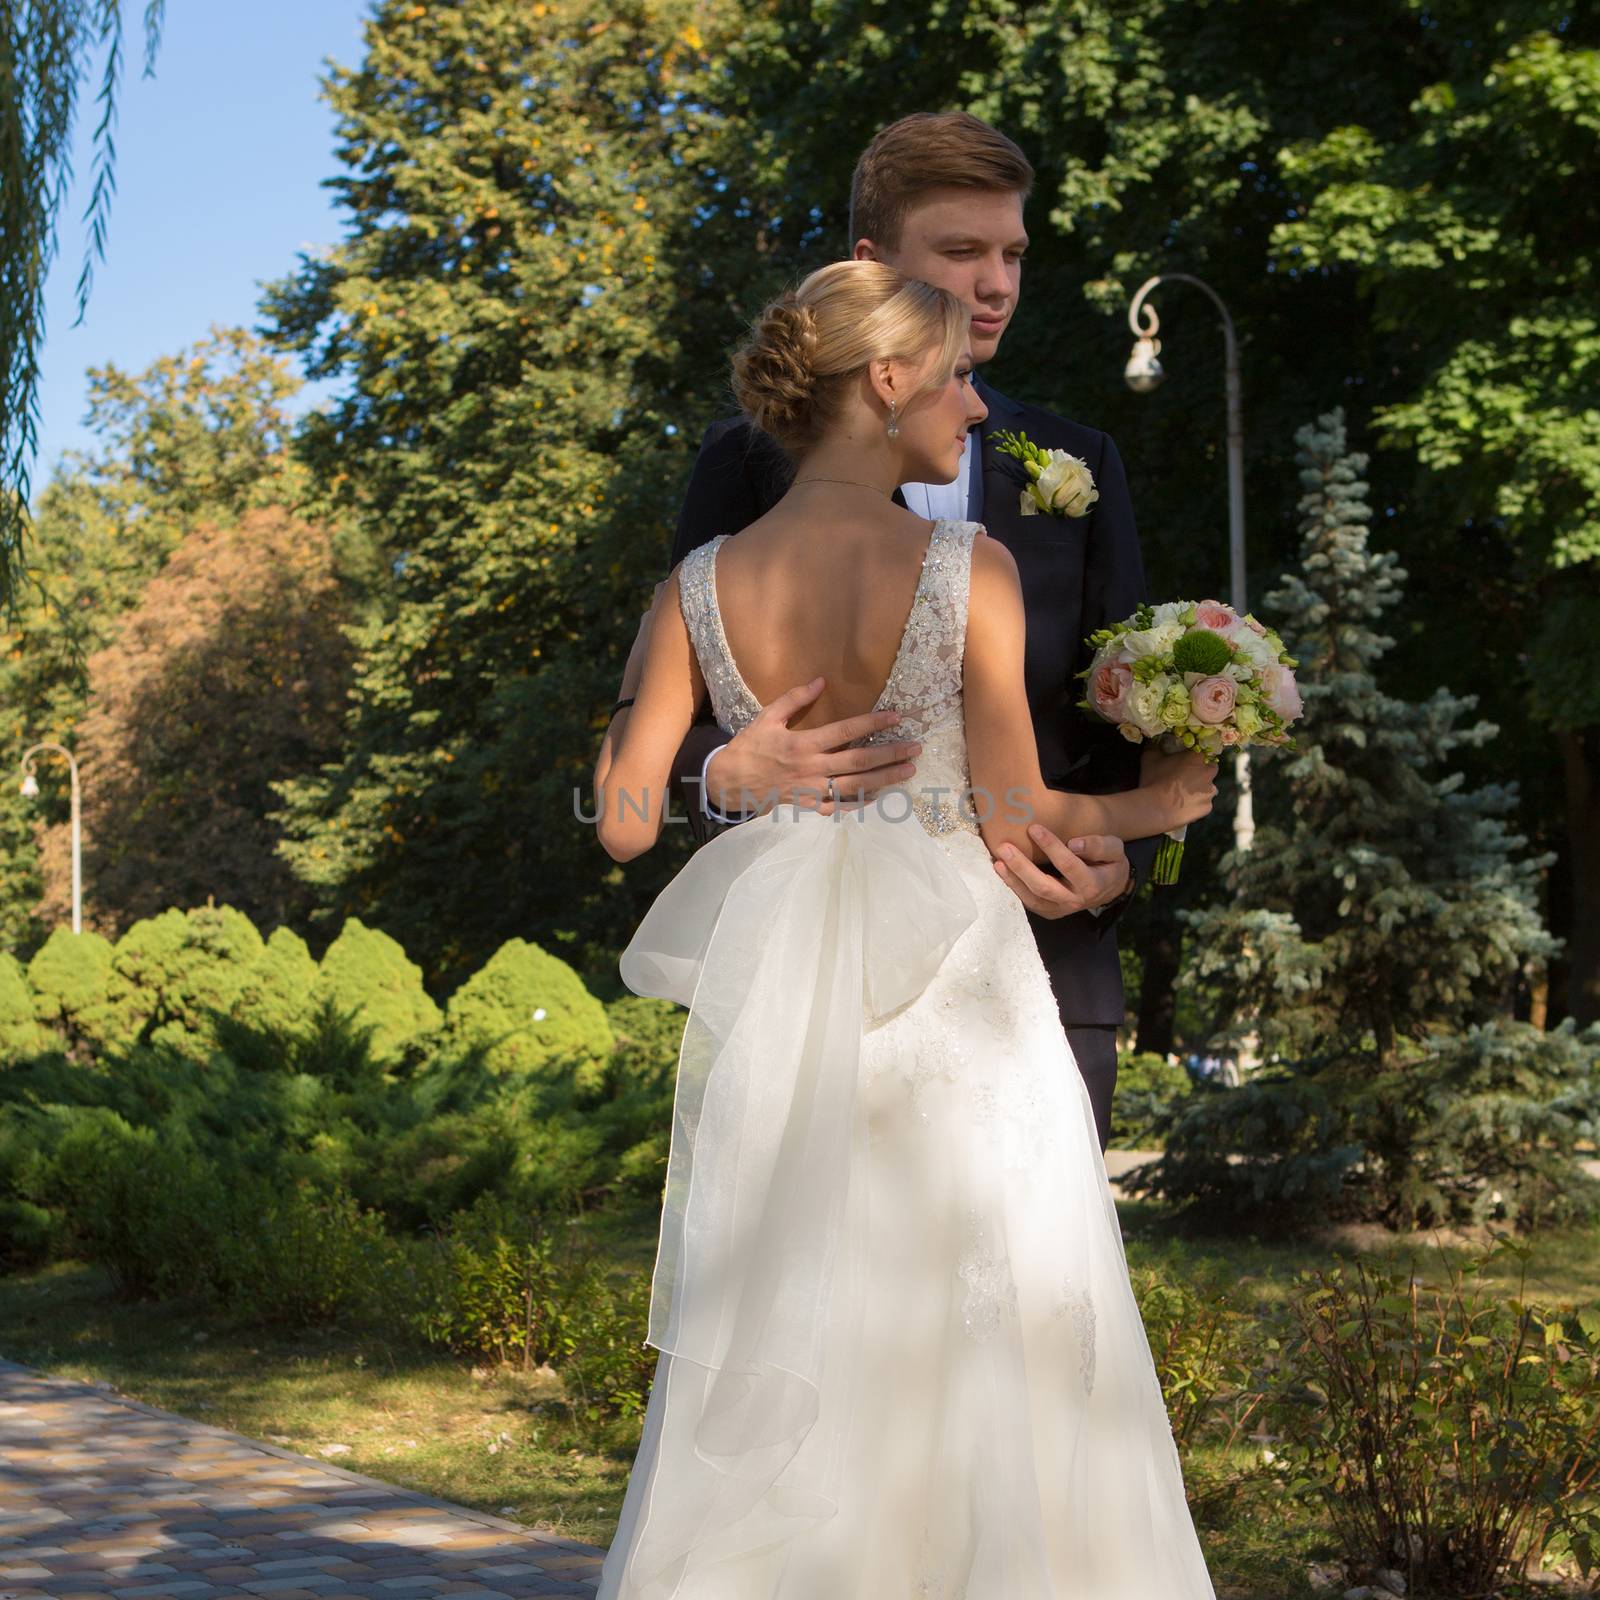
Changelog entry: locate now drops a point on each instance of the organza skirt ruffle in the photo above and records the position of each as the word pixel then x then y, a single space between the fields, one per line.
pixel 901 1355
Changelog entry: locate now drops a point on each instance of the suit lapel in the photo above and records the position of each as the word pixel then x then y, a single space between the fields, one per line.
pixel 1000 509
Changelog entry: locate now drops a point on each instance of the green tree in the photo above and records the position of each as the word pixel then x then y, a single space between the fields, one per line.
pixel 47 48
pixel 1172 137
pixel 510 434
pixel 201 436
pixel 1472 231
pixel 1385 913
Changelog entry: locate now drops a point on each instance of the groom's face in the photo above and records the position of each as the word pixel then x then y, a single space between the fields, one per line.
pixel 971 242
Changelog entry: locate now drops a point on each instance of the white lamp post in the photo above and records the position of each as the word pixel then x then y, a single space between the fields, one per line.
pixel 30 787
pixel 1143 373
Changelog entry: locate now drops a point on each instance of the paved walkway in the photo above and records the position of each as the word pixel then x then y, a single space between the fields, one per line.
pixel 103 1496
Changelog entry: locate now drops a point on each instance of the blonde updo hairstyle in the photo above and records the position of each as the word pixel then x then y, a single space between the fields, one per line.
pixel 807 347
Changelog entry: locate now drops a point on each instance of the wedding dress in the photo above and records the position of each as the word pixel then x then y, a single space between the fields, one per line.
pixel 900 1355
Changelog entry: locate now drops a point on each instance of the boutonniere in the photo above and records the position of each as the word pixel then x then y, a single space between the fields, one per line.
pixel 1058 484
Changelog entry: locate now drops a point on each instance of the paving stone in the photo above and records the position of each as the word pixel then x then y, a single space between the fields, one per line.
pixel 101 1496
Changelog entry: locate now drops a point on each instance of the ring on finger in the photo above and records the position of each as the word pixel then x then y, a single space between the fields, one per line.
pixel 833 793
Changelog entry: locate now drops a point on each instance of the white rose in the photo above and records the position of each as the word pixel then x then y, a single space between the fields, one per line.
pixel 1170 611
pixel 1145 642
pixel 1144 702
pixel 1066 485
pixel 1253 647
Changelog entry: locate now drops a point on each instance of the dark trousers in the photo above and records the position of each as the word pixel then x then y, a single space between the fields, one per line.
pixel 1096 1050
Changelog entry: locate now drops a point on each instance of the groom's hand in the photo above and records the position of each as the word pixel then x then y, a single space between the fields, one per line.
pixel 770 763
pixel 1094 872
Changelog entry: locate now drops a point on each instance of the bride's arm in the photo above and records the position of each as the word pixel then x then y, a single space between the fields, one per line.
pixel 1004 757
pixel 633 773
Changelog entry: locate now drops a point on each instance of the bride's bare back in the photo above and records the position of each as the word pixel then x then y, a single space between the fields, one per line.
pixel 799 602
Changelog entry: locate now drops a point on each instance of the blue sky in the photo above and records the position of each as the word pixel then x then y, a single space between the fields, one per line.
pixel 219 161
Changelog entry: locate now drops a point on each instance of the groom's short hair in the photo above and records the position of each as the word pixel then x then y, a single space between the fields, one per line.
pixel 928 150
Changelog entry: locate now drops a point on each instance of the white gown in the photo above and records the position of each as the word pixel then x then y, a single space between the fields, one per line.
pixel 900 1353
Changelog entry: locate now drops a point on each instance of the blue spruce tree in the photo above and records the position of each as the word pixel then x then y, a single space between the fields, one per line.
pixel 1378 931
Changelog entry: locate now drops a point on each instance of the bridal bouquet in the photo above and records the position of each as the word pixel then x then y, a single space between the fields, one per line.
pixel 1197 676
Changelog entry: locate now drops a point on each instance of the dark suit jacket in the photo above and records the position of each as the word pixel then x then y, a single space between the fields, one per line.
pixel 1078 574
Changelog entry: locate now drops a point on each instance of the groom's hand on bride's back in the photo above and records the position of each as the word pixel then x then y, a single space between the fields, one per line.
pixel 769 763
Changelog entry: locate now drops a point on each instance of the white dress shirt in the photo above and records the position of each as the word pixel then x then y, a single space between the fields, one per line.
pixel 931 500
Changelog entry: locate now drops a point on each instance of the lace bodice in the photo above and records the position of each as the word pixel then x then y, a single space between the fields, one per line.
pixel 924 684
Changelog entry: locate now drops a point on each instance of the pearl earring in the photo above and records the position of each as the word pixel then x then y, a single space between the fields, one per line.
pixel 894 423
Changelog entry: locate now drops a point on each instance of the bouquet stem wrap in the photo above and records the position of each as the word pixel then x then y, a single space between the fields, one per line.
pixel 780 936
pixel 1169 858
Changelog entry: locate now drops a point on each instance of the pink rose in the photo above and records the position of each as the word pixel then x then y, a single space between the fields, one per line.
pixel 1229 736
pixel 1112 684
pixel 1281 692
pixel 1217 617
pixel 1212 699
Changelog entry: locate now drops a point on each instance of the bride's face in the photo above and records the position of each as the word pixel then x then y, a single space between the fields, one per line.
pixel 933 427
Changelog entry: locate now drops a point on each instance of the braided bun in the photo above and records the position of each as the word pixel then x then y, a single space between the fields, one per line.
pixel 795 374
pixel 774 374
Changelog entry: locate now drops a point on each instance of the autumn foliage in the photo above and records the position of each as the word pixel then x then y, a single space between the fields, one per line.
pixel 229 673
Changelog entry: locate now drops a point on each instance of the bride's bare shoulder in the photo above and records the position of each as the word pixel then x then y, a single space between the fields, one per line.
pixel 992 564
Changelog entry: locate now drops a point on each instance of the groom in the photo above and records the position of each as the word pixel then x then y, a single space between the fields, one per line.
pixel 940 197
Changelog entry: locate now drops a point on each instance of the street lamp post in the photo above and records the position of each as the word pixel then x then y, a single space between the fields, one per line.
pixel 30 787
pixel 1143 372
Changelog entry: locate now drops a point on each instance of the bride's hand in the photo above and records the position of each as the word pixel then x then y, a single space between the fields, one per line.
pixel 769 763
pixel 1186 784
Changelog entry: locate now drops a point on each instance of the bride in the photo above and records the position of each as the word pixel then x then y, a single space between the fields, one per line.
pixel 900 1355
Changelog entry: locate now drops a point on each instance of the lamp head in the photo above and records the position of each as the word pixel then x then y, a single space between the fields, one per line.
pixel 30 786
pixel 1143 371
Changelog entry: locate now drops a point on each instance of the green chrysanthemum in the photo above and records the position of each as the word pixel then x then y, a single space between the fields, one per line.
pixel 1201 650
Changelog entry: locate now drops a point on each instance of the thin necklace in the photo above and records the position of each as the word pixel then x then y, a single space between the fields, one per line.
pixel 888 494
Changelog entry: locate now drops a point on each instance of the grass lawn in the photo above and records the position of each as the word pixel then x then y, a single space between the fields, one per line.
pixel 504 1441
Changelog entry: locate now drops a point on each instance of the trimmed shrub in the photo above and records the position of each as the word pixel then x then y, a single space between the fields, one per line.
pixel 171 974
pixel 70 976
pixel 529 1014
pixel 274 994
pixel 640 1079
pixel 22 1035
pixel 366 972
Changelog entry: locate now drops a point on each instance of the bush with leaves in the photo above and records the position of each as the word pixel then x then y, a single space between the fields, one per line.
pixel 608 1369
pixel 173 973
pixel 137 1201
pixel 290 1253
pixel 530 1015
pixel 1150 1090
pixel 70 977
pixel 508 1287
pixel 22 1035
pixel 1448 1435
pixel 1206 1350
pixel 366 972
